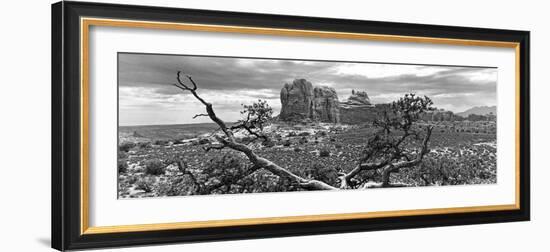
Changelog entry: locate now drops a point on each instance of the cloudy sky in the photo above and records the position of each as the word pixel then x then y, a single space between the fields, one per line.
pixel 147 96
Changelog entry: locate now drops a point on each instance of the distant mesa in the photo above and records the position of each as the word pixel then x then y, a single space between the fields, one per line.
pixel 481 110
pixel 439 115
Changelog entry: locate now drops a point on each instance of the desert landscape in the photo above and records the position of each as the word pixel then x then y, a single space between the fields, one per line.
pixel 319 139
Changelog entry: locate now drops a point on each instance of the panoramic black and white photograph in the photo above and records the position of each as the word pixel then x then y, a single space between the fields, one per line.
pixel 203 125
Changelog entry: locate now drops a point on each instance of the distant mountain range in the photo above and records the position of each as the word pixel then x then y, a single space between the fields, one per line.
pixel 481 110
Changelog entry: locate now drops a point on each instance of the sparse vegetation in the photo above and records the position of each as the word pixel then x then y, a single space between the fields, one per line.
pixel 324 153
pixel 145 184
pixel 122 166
pixel 154 167
pixel 161 142
pixel 287 143
pixel 126 146
pixel 144 145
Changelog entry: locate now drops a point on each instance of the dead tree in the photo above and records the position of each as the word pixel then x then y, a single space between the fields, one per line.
pixel 227 140
pixel 385 152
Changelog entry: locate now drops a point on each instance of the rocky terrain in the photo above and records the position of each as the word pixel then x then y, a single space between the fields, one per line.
pixel 460 153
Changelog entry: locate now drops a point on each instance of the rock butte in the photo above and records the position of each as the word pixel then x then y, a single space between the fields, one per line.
pixel 301 101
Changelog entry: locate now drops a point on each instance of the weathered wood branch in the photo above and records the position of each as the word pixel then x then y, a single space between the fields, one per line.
pixel 346 177
pixel 209 109
pixel 250 131
pixel 183 168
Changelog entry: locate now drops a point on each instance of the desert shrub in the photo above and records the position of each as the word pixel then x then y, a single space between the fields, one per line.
pixel 126 146
pixel 338 146
pixel 332 139
pixel 204 141
pixel 122 166
pixel 132 179
pixel 303 140
pixel 161 142
pixel 322 172
pixel 264 181
pixel 291 134
pixel 174 186
pixel 226 173
pixel 297 149
pixel 154 167
pixel 287 143
pixel 304 134
pixel 268 143
pixel 324 153
pixel 471 168
pixel 144 145
pixel 145 184
pixel 122 155
pixel 168 188
pixel 321 133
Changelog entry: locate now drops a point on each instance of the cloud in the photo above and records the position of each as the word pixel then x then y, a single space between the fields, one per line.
pixel 213 73
pixel 146 83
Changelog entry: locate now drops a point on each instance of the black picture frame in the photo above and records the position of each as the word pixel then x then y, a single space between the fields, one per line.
pixel 66 125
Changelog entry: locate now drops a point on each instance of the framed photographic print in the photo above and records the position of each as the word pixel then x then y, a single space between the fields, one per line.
pixel 180 125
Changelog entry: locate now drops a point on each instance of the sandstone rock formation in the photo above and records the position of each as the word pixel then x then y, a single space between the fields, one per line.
pixel 361 114
pixel 296 99
pixel 358 98
pixel 326 107
pixel 358 109
pixel 301 101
